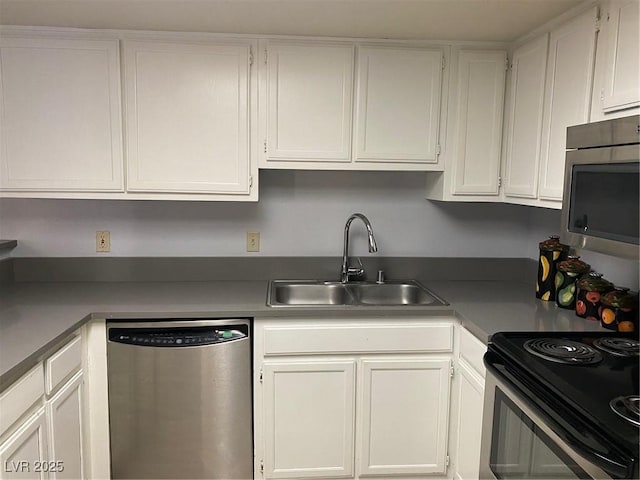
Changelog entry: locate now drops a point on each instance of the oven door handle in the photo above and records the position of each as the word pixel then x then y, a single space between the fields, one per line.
pixel 617 468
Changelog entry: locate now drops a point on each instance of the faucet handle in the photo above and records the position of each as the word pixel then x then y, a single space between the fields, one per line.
pixel 380 277
pixel 356 273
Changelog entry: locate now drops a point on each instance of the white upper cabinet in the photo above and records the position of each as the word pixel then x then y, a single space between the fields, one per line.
pixel 321 109
pixel 551 87
pixel 480 108
pixel 398 108
pixel 309 101
pixel 60 124
pixel 187 117
pixel 524 132
pixel 622 76
pixel 569 84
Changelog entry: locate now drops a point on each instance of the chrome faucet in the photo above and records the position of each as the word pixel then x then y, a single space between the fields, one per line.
pixel 349 273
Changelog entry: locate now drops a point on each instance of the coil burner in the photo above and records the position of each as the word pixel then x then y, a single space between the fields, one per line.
pixel 564 351
pixel 627 407
pixel 622 347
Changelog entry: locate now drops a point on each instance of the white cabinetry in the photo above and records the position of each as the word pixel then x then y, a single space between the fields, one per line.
pixel 622 78
pixel 398 110
pixel 474 137
pixel 352 399
pixel 570 68
pixel 25 454
pixel 187 117
pixel 309 418
pixel 42 419
pixel 315 115
pixel 524 131
pixel 309 101
pixel 60 118
pixel 469 398
pixel 405 405
pixel 535 153
pixel 64 411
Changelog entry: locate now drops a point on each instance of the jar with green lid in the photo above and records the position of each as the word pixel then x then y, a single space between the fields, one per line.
pixel 591 287
pixel 569 271
pixel 551 252
pixel 619 310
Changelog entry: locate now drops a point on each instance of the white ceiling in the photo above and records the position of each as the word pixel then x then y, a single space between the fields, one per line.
pixel 491 20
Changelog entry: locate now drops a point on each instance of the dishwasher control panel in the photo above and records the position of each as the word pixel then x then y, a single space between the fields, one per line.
pixel 178 336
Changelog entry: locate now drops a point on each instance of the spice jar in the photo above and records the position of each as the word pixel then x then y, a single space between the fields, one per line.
pixel 551 252
pixel 619 310
pixel 590 289
pixel 565 280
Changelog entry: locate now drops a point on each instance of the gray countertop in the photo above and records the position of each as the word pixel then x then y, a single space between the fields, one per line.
pixel 35 316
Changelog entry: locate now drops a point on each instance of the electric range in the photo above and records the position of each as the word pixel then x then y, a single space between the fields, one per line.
pixel 561 405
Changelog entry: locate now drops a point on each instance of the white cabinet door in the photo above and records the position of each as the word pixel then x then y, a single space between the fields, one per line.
pixel 469 423
pixel 622 77
pixel 60 114
pixel 398 107
pixel 404 415
pixel 567 97
pixel 524 132
pixel 480 96
pixel 25 452
pixel 64 412
pixel 309 101
pixel 187 117
pixel 309 414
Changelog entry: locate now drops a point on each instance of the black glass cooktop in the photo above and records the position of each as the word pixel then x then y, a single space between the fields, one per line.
pixel 585 387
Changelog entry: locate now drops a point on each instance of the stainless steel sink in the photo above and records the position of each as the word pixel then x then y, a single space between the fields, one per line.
pixel 308 294
pixel 402 293
pixel 284 293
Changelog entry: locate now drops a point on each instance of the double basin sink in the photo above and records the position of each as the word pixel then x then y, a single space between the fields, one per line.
pixel 319 293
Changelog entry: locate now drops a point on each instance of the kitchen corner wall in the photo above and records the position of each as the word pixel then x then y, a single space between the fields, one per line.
pixel 299 214
pixel 544 222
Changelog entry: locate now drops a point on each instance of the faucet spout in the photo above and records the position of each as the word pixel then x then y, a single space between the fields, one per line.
pixel 347 273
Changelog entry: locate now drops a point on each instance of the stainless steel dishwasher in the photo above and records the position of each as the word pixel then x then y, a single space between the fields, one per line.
pixel 180 399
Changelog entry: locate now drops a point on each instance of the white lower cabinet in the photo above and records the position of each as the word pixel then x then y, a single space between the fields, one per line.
pixel 404 412
pixel 24 453
pixel 309 418
pixel 42 436
pixel 353 399
pixel 470 388
pixel 469 402
pixel 64 412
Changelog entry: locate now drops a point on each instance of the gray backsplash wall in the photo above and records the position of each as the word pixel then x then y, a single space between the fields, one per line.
pixel 299 214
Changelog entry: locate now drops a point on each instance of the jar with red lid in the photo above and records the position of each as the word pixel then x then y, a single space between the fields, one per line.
pixel 551 252
pixel 619 310
pixel 591 287
pixel 569 271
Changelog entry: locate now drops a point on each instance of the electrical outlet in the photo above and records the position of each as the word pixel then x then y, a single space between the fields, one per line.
pixel 103 241
pixel 253 241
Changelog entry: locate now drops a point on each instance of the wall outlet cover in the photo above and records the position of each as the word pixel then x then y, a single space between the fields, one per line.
pixel 103 241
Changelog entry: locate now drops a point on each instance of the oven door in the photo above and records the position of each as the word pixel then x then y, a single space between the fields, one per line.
pixel 517 441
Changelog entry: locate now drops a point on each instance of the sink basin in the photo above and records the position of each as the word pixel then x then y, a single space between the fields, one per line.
pixel 309 294
pixel 392 294
pixel 318 293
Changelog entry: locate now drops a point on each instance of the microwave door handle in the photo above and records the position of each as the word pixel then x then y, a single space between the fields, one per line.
pixel 582 222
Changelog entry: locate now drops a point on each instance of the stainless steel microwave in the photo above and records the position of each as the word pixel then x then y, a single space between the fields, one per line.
pixel 600 206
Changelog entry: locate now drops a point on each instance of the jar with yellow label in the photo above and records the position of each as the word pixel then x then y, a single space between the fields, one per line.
pixel 551 252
